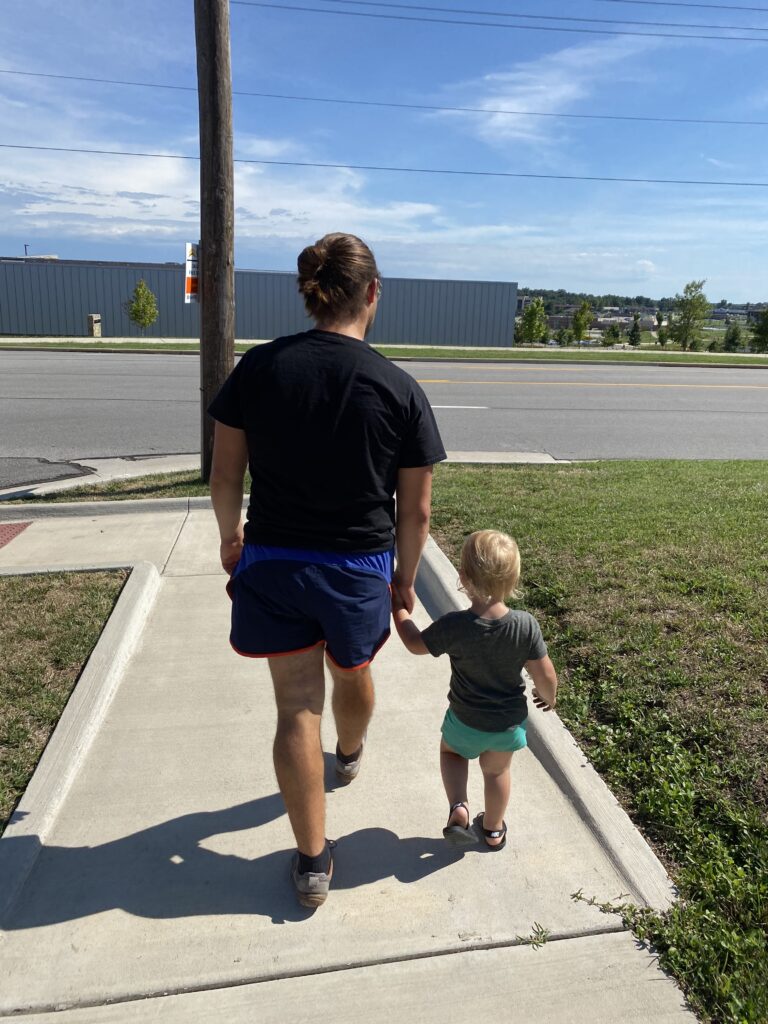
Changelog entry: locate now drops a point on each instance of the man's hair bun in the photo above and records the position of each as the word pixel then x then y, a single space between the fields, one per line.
pixel 334 274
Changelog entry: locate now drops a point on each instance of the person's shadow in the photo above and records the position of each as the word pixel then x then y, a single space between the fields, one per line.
pixel 164 872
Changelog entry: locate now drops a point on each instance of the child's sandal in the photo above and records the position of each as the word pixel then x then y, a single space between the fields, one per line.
pixel 496 833
pixel 457 835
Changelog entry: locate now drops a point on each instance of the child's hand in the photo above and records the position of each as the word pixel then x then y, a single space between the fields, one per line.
pixel 539 701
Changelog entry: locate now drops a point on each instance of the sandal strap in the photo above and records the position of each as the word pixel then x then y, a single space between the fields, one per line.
pixel 459 803
pixel 496 833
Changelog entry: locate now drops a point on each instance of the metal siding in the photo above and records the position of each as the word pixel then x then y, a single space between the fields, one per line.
pixel 55 298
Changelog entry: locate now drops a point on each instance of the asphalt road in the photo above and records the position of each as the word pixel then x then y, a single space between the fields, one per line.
pixel 61 407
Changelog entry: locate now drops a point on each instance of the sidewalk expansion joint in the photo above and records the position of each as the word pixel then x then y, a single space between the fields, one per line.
pixel 181 990
pixel 175 542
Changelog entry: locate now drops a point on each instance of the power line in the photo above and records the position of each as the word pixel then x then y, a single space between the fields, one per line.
pixel 550 17
pixel 399 106
pixel 399 170
pixel 495 24
pixel 679 3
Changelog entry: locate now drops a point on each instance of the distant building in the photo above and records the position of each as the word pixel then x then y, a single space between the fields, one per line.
pixel 55 297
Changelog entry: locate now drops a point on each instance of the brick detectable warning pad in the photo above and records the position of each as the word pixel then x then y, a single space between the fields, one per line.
pixel 10 530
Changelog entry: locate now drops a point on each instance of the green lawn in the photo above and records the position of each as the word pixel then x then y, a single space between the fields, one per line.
pixel 49 626
pixel 650 581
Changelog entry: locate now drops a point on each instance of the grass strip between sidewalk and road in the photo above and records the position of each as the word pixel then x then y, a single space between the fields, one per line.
pixel 650 580
pixel 450 354
pixel 49 626
pixel 185 484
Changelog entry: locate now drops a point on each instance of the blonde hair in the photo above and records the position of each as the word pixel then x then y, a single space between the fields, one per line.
pixel 490 565
pixel 334 275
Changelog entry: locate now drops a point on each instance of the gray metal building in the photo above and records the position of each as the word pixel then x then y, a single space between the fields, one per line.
pixel 54 298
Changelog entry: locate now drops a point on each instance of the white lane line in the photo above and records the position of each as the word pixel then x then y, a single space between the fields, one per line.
pixel 459 406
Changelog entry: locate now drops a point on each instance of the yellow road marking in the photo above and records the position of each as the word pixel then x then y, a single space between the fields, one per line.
pixel 600 384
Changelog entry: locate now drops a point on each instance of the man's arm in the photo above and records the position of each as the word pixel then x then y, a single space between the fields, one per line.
pixel 230 457
pixel 414 499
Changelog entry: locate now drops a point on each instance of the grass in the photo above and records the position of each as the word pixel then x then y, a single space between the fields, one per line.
pixel 49 626
pixel 182 484
pixel 185 484
pixel 587 355
pixel 593 354
pixel 650 581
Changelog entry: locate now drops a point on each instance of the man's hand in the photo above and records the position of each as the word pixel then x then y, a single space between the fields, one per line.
pixel 230 551
pixel 405 593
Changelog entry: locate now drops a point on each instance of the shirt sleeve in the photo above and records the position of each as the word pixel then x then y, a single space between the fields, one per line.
pixel 422 444
pixel 435 638
pixel 226 407
pixel 537 647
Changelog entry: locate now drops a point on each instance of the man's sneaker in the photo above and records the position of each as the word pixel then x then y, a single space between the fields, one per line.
pixel 311 887
pixel 347 772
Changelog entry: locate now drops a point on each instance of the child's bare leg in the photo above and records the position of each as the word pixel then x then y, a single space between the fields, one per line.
pixel 495 767
pixel 454 768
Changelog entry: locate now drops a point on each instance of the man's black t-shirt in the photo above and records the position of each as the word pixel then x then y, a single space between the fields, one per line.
pixel 329 422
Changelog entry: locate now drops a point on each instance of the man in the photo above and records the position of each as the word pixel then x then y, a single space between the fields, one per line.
pixel 332 432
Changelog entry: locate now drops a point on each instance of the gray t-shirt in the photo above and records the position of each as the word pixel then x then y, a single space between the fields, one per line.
pixel 487 655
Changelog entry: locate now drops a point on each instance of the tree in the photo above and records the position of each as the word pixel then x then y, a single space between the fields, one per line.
pixel 634 331
pixel 582 318
pixel 759 340
pixel 533 324
pixel 564 337
pixel 659 319
pixel 142 307
pixel 732 340
pixel 612 335
pixel 663 336
pixel 691 310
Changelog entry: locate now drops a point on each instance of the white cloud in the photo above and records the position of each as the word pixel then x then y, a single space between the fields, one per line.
pixel 724 165
pixel 550 84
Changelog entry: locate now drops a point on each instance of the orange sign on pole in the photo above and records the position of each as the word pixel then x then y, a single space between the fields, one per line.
pixel 190 274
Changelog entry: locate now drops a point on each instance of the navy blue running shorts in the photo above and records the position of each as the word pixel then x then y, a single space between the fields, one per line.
pixel 284 607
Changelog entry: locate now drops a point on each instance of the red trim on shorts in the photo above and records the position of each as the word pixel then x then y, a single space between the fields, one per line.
pixel 363 664
pixel 276 654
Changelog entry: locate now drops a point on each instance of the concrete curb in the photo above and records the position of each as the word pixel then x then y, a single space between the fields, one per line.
pixel 560 755
pixel 70 741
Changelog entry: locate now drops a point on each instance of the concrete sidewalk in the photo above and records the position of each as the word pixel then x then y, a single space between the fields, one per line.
pixel 159 890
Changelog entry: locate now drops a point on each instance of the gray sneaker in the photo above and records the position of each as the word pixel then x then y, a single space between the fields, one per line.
pixel 311 887
pixel 348 772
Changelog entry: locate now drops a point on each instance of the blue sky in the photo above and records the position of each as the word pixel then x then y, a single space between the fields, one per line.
pixel 600 237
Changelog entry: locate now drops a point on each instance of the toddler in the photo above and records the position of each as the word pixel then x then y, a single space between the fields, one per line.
pixel 488 645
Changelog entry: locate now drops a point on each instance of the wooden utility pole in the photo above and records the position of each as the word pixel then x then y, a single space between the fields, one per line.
pixel 217 219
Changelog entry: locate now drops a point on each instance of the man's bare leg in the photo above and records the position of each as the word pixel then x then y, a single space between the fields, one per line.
pixel 299 684
pixel 353 700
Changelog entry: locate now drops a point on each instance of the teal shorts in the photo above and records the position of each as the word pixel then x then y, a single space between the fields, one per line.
pixel 470 743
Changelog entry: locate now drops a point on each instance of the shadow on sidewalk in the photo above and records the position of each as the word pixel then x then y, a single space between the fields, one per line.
pixel 164 872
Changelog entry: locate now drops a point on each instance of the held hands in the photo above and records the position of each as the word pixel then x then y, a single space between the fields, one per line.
pixel 539 701
pixel 403 595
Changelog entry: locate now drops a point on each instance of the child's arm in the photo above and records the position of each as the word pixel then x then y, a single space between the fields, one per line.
pixel 407 629
pixel 544 677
